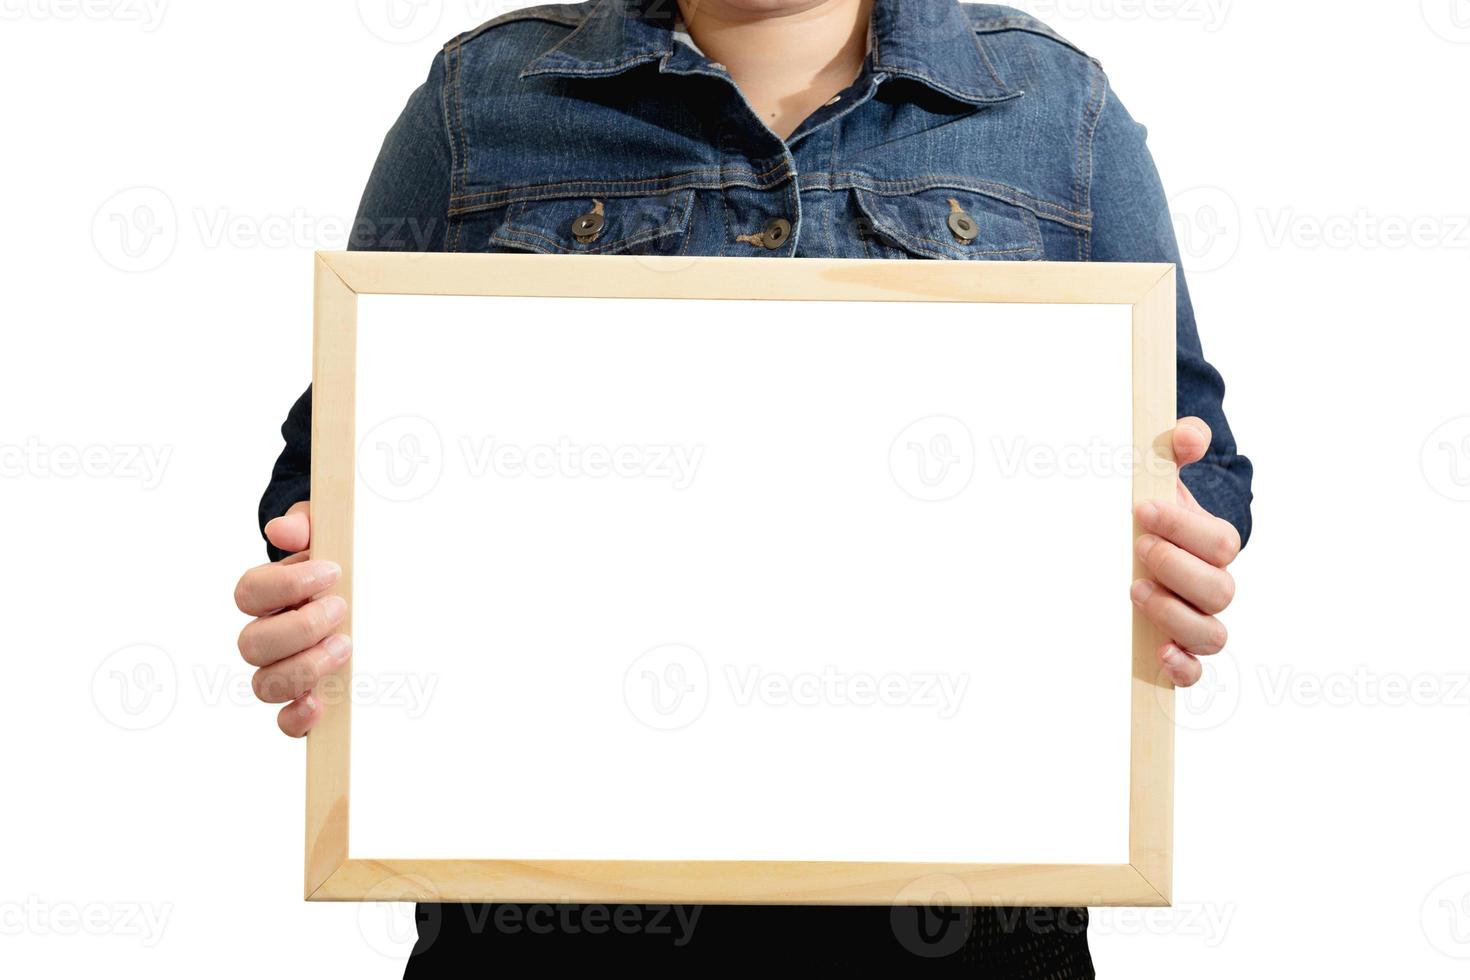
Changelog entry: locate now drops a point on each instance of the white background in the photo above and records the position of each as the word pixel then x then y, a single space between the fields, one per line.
pixel 628 662
pixel 1315 156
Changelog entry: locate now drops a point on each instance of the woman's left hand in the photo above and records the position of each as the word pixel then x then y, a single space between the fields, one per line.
pixel 1187 551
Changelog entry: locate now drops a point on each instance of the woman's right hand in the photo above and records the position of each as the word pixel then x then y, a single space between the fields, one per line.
pixel 293 641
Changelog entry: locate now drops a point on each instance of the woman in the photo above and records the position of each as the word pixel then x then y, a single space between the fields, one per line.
pixel 899 129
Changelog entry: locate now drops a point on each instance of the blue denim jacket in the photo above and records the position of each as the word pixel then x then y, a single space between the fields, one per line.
pixel 548 114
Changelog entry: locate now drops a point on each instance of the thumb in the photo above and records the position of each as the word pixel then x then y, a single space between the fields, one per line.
pixel 1192 439
pixel 292 530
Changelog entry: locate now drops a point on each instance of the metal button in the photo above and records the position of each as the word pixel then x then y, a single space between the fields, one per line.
pixel 964 227
pixel 833 101
pixel 588 226
pixel 776 232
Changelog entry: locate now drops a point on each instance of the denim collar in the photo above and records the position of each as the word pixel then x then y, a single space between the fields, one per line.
pixel 929 41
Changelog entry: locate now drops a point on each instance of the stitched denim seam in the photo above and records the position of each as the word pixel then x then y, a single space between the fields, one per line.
pixel 592 12
pixel 951 91
pixel 840 180
pixel 620 183
pixel 619 188
pixel 1026 25
pixel 515 16
pixel 999 192
pixel 1086 140
pixel 948 249
pixel 985 57
pixel 593 70
pixel 458 167
pixel 832 216
pixel 621 243
pixel 951 249
pixel 943 250
pixel 678 225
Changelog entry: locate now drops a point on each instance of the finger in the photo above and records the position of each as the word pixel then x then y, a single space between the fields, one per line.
pixel 1196 581
pixel 298 717
pixel 1181 622
pixel 289 679
pixel 292 530
pixel 1200 534
pixel 281 585
pixel 1186 498
pixel 273 638
pixel 1183 668
pixel 1192 439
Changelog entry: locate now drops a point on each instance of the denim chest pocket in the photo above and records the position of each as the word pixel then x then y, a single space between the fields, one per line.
pixel 944 223
pixel 597 225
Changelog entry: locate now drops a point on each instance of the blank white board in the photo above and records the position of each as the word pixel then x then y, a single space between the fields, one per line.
pixel 741 580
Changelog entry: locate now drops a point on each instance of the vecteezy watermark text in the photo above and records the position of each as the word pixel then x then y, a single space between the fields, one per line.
pixel 148 14
pixel 838 688
pixel 568 460
pixel 34 916
pixel 124 461
pixel 669 687
pixel 402 458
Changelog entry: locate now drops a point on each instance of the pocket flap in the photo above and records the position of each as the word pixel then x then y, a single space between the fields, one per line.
pixel 596 225
pixel 932 224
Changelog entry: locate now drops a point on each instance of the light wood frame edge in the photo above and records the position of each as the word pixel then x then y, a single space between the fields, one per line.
pixel 332 876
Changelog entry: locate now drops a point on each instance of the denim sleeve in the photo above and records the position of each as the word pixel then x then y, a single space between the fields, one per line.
pixel 404 208
pixel 1132 223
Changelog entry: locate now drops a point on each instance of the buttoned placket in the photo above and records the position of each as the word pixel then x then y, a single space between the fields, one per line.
pixel 780 232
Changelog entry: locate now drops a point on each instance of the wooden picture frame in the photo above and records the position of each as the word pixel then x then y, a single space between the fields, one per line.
pixel 331 875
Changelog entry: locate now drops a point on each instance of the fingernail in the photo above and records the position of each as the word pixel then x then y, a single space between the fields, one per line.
pixel 1146 544
pixel 306 707
pixel 338 648
pixel 334 607
pixel 1142 589
pixel 1172 657
pixel 1147 512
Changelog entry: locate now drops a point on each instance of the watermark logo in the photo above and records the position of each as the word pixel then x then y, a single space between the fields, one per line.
pixel 933 916
pixel 1445 459
pixel 387 922
pixel 401 21
pixel 136 688
pixel 136 230
pixel 402 458
pixel 1207 224
pixel 1445 917
pixel 1208 704
pixel 667 688
pixel 1450 19
pixel 933 459
pixel 139 229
